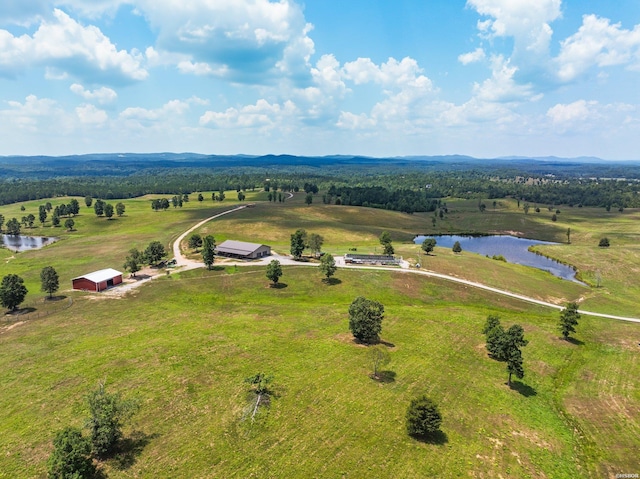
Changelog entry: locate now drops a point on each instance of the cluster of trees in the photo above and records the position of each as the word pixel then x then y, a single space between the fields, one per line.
pixel 101 207
pixel 300 241
pixel 13 291
pixel 405 200
pixel 152 255
pixel 505 346
pixel 73 453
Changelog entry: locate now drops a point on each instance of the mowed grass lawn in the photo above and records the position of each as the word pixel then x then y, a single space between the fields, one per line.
pixel 183 344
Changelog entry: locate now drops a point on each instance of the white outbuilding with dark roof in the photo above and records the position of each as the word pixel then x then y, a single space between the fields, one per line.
pixel 240 249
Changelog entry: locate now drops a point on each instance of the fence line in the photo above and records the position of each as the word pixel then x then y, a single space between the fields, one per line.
pixel 37 314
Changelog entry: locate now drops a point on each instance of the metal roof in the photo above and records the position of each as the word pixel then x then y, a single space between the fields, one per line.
pixel 100 276
pixel 238 247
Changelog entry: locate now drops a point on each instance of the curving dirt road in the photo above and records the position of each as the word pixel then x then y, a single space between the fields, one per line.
pixel 184 264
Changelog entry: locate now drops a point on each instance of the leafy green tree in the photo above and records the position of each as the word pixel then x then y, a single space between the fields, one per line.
pixel 12 291
pixel 69 224
pixel 365 319
pixel 513 341
pixel 49 280
pixel 88 201
pixel 108 210
pixel 328 265
pixel 13 227
pixel 195 241
pixel 71 456
pixel 385 241
pixel 494 333
pixel 315 243
pixel 30 220
pixel 74 207
pixel 55 219
pixel 200 197
pixel 1 222
pixel 120 208
pixel 457 248
pixel 604 243
pixel 154 253
pixel 241 196
pixel 134 261
pixel 221 195
pixel 98 207
pixel 42 214
pixel 423 417
pixel 379 357
pixel 274 271
pixel 48 206
pixel 428 245
pixel 109 413
pixel 298 243
pixel 569 317
pixel 208 250
pixel 308 199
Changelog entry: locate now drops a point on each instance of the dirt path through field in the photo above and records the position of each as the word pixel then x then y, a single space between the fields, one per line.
pixel 185 264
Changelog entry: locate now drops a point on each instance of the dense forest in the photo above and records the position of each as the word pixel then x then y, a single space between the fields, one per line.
pixel 402 184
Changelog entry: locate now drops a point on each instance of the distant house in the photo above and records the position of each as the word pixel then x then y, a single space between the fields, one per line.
pixel 98 280
pixel 242 250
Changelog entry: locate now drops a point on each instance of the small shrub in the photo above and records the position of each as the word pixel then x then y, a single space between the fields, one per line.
pixel 604 243
pixel 71 456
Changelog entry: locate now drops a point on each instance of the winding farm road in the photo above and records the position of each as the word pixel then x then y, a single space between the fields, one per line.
pixel 186 264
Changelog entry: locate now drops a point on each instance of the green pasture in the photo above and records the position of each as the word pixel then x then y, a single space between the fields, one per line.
pixel 183 344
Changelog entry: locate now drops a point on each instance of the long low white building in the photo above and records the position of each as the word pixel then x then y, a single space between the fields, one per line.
pixel 243 250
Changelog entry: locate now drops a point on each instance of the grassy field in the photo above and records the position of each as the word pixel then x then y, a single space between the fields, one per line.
pixel 183 344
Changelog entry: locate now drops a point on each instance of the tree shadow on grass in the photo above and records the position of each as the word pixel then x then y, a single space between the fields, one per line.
pixel 218 268
pixel 54 299
pixel 438 438
pixel 130 448
pixel 575 341
pixel 278 285
pixel 21 311
pixel 386 343
pixel 332 281
pixel 385 377
pixel 524 389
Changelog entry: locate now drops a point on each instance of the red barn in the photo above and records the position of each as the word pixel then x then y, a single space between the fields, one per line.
pixel 98 280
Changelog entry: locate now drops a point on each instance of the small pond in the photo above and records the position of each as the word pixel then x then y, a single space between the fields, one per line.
pixel 515 250
pixel 25 243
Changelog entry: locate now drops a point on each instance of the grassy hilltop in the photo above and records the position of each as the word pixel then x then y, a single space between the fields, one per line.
pixel 183 344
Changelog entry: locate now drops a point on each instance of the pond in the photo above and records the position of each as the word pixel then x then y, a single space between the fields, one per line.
pixel 25 243
pixel 515 250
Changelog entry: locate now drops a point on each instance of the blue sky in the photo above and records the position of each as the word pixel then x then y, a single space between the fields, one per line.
pixel 485 78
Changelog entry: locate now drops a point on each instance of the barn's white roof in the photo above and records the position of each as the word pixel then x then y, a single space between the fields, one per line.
pixel 100 276
pixel 238 247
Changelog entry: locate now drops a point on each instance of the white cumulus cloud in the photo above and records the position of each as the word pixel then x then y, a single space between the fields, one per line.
pixel 472 57
pixel 600 43
pixel 90 115
pixel 102 95
pixel 261 115
pixel 250 41
pixel 64 45
pixel 527 21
